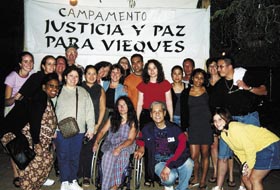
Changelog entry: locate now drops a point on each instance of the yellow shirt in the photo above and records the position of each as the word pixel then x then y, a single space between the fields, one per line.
pixel 246 140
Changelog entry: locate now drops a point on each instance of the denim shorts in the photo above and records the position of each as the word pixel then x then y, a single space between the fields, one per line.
pixel 252 118
pixel 268 158
pixel 224 151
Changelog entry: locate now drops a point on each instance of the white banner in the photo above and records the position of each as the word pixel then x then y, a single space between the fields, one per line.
pixel 169 35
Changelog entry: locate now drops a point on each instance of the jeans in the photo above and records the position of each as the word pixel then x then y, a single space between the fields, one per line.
pixel 252 118
pixel 184 173
pixel 68 155
pixel 177 120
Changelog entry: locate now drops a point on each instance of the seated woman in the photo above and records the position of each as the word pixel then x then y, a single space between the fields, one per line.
pixel 119 143
pixel 39 130
pixel 257 148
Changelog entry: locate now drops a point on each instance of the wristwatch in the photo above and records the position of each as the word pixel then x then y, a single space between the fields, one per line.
pixel 250 88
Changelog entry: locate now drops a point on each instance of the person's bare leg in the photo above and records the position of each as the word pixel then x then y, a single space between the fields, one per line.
pixel 214 156
pixel 205 163
pixel 256 178
pixel 222 170
pixel 230 170
pixel 195 150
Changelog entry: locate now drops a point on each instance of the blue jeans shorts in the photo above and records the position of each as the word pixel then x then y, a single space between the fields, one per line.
pixel 268 158
pixel 252 118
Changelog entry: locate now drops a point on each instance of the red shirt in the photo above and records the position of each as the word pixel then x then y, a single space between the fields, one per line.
pixel 153 92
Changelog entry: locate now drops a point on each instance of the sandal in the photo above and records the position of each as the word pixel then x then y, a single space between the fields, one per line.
pixel 212 179
pixel 231 183
pixel 202 187
pixel 16 182
pixel 193 184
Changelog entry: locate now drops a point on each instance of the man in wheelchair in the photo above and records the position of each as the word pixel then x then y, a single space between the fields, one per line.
pixel 168 150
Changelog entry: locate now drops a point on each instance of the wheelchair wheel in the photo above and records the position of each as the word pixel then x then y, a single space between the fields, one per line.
pixel 137 173
pixel 96 172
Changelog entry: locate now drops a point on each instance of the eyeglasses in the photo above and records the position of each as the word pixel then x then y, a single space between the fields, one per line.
pixel 221 66
pixel 53 86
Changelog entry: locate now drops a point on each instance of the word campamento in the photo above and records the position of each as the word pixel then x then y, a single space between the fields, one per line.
pixel 103 16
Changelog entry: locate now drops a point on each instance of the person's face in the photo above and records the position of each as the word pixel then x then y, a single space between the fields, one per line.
pixel 212 68
pixel 137 64
pixel 157 114
pixel 27 63
pixel 177 75
pixel 122 107
pixel 198 79
pixel 219 122
pixel 124 63
pixel 72 78
pixel 71 55
pixel 103 71
pixel 116 75
pixel 50 65
pixel 188 67
pixel 223 68
pixel 91 76
pixel 152 70
pixel 60 65
pixel 51 88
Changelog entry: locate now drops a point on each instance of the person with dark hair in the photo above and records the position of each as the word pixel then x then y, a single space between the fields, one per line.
pixel 188 66
pixel 113 88
pixel 154 87
pixel 35 118
pixel 103 68
pixel 122 128
pixel 177 87
pixel 239 91
pixel 196 117
pixel 61 65
pixel 98 97
pixel 73 101
pixel 132 80
pixel 166 148
pixel 213 78
pixel 124 62
pixel 33 83
pixel 257 148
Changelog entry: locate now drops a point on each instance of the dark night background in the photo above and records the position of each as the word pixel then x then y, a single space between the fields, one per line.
pixel 248 30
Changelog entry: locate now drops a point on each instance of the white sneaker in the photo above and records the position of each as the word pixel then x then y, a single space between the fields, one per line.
pixel 75 186
pixel 64 185
pixel 168 188
pixel 241 188
pixel 217 188
pixel 49 182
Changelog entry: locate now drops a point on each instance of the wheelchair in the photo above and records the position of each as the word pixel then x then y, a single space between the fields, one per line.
pixel 133 171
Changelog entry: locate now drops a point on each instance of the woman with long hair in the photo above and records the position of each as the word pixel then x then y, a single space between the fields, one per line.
pixel 119 143
pixel 257 148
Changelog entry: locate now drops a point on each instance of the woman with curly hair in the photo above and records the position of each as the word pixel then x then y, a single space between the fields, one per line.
pixel 119 143
pixel 154 87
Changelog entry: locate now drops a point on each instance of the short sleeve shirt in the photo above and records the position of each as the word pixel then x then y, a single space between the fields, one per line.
pixel 153 92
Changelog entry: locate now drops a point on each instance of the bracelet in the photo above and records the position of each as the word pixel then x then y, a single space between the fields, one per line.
pixel 250 88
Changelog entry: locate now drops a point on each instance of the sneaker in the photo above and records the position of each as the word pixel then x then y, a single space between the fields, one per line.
pixel 217 188
pixel 75 186
pixel 241 188
pixel 49 182
pixel 64 185
pixel 168 188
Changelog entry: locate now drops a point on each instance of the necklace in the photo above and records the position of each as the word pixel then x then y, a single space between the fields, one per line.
pixel 230 91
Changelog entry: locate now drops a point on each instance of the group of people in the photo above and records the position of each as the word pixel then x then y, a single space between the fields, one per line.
pixel 173 125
